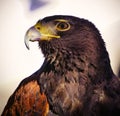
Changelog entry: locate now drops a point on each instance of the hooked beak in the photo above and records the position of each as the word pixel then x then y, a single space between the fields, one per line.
pixel 37 34
pixel 31 35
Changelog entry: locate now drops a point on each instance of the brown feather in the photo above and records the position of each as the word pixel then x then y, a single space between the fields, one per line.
pixel 27 100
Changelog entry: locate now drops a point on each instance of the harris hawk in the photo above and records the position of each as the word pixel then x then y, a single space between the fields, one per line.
pixel 76 78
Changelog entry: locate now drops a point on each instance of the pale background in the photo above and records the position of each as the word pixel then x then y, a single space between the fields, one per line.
pixel 16 16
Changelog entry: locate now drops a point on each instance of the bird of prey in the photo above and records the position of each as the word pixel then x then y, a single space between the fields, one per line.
pixel 76 78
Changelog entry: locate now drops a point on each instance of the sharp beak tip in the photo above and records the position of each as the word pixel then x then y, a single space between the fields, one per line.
pixel 31 35
pixel 26 41
pixel 28 47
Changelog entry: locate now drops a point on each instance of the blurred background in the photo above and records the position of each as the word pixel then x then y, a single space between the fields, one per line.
pixel 16 16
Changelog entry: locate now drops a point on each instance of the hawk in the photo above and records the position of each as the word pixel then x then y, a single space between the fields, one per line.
pixel 76 78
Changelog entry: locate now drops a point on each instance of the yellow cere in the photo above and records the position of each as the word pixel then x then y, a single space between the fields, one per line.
pixel 47 31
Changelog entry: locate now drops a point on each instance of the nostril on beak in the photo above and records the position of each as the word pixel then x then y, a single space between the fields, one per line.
pixel 38 28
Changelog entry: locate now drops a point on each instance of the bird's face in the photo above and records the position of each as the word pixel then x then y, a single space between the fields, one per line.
pixel 50 28
pixel 70 33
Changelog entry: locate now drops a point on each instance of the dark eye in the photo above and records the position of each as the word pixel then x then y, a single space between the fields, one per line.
pixel 63 26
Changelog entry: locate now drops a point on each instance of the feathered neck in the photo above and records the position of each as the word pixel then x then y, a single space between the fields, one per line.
pixel 88 59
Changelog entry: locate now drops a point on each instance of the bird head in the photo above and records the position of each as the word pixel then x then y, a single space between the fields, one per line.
pixel 48 29
pixel 71 40
pixel 66 32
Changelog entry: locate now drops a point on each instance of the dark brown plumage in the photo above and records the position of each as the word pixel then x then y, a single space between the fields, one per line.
pixel 76 78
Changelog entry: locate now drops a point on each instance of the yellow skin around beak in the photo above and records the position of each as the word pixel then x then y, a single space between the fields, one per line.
pixel 40 32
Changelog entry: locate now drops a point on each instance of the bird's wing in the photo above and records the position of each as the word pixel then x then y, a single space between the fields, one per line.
pixel 27 100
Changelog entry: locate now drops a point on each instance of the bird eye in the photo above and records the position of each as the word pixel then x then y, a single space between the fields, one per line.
pixel 63 26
